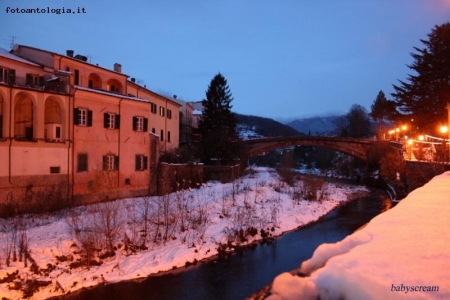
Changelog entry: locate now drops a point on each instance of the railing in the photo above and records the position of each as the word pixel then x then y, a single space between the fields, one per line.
pixel 46 83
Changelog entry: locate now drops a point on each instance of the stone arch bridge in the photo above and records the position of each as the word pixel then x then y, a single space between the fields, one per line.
pixel 352 146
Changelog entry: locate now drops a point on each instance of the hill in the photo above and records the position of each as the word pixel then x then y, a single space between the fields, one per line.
pixel 254 127
pixel 315 125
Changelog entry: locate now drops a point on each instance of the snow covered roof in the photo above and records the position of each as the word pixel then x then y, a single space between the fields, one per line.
pixel 175 101
pixel 69 57
pixel 110 94
pixel 5 53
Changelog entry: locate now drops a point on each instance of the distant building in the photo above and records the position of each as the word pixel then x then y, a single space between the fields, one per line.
pixel 84 130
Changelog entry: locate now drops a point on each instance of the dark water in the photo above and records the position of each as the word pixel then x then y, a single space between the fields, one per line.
pixel 242 274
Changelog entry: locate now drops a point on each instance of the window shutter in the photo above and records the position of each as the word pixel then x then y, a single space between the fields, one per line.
pixel 145 124
pixel 117 121
pixel 1 126
pixel 105 162
pixel 145 167
pixel 77 77
pixel 136 163
pixel 41 81
pixel 116 162
pixel 89 118
pixel 1 76
pixel 105 120
pixel 12 76
pixel 76 116
pixel 134 123
pixel 29 80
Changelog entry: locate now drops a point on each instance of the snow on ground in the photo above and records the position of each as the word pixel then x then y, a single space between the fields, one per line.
pixel 403 253
pixel 212 216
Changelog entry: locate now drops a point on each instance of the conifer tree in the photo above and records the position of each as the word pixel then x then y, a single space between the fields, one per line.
pixel 424 95
pixel 382 109
pixel 217 126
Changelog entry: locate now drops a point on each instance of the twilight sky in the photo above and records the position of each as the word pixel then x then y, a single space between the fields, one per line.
pixel 281 58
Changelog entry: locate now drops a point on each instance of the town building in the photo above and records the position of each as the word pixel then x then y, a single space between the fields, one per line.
pixel 77 130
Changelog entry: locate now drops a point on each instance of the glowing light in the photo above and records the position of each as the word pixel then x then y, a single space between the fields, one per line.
pixel 443 129
pixel 410 142
pixel 421 138
pixel 404 127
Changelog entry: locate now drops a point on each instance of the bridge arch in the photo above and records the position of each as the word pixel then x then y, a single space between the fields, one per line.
pixel 352 146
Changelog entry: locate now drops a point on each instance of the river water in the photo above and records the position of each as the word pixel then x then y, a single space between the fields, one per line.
pixel 241 274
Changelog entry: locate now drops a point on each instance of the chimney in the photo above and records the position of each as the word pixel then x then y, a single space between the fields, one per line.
pixel 133 79
pixel 69 53
pixel 117 68
pixel 81 57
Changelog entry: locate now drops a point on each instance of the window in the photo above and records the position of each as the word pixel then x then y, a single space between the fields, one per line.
pixel 82 117
pixel 1 123
pixel 161 111
pixel 82 162
pixel 141 162
pixel 110 162
pixel 169 114
pixel 153 107
pixel 55 170
pixel 1 118
pixel 168 136
pixel 153 130
pixel 162 135
pixel 140 124
pixel 77 77
pixel 111 121
pixel 7 75
pixel 33 80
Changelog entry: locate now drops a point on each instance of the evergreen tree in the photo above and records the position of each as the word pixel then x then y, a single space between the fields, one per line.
pixel 218 124
pixel 382 109
pixel 424 96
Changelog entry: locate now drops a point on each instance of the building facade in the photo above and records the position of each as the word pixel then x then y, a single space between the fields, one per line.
pixel 75 129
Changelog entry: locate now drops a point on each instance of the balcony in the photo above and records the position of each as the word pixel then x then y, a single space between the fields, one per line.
pixel 43 83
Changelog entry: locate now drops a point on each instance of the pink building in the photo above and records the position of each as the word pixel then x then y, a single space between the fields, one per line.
pixel 78 130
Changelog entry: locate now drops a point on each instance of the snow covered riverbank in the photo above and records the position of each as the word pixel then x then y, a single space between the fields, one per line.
pixel 203 221
pixel 403 253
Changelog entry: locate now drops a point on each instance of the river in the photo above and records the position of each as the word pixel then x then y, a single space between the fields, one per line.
pixel 241 274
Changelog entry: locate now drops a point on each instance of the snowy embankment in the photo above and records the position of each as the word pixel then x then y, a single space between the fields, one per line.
pixel 67 252
pixel 403 253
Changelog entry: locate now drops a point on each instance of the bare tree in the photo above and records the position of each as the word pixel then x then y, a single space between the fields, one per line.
pixel 108 222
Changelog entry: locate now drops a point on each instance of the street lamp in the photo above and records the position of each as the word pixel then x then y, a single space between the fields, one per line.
pixel 409 148
pixel 421 138
pixel 444 130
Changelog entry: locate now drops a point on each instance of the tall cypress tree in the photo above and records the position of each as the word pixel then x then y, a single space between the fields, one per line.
pixel 423 96
pixel 218 124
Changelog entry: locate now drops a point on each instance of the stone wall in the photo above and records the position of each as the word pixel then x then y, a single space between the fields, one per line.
pixel 222 173
pixel 175 177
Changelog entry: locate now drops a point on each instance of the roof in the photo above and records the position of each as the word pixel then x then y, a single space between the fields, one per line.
pixel 5 53
pixel 71 58
pixel 176 101
pixel 110 94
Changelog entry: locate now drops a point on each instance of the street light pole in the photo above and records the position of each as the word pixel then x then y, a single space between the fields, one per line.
pixel 444 130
